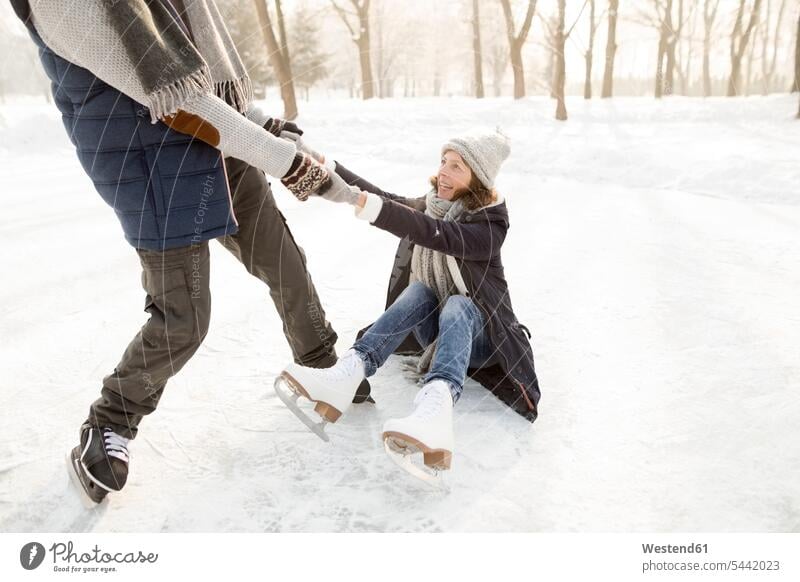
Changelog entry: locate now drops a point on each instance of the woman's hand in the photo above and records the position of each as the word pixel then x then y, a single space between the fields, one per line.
pixel 362 199
pixel 340 191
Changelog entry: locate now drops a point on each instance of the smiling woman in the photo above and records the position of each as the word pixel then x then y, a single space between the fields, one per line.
pixel 448 303
pixel 449 184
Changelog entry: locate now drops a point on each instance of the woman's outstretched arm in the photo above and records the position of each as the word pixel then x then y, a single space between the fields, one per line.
pixel 354 179
pixel 478 240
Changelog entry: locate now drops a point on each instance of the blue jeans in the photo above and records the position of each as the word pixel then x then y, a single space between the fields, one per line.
pixel 459 326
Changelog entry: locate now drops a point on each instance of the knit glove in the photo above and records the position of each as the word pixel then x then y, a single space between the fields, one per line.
pixel 277 126
pixel 340 191
pixel 301 145
pixel 306 176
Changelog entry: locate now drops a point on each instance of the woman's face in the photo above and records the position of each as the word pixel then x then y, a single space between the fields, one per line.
pixel 454 175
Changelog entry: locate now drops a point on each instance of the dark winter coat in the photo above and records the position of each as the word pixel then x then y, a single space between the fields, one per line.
pixel 167 189
pixel 474 241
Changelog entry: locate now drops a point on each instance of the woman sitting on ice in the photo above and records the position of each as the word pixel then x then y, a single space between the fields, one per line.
pixel 448 289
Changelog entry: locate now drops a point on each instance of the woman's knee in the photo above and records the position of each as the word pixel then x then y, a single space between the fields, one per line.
pixel 458 306
pixel 418 293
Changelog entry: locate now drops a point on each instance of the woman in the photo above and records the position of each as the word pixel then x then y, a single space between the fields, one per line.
pixel 448 290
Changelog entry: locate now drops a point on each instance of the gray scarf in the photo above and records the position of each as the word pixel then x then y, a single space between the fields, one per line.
pixel 430 267
pixel 148 50
pixel 177 57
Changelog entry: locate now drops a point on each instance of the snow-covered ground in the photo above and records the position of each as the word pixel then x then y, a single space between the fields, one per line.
pixel 654 253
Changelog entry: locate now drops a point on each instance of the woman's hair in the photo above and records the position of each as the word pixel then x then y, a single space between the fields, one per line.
pixel 475 196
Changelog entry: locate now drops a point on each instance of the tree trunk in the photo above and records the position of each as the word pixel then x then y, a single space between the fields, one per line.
pixel 367 82
pixel 362 40
pixel 796 84
pixel 662 49
pixel 476 49
pixel 282 72
pixel 611 50
pixel 561 73
pixel 764 42
pixel 748 78
pixel 587 83
pixel 709 15
pixel 368 90
pixel 734 87
pixel 516 41
pixel 519 71
pixel 706 68
pixel 741 36
pixel 770 74
pixel 686 71
pixel 671 39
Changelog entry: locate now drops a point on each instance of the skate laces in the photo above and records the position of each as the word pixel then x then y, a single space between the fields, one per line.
pixel 346 366
pixel 430 400
pixel 116 445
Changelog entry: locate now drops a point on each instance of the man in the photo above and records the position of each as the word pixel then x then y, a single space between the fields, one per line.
pixel 151 93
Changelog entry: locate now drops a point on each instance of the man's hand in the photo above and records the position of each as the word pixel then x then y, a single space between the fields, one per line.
pixel 306 176
pixel 302 146
pixel 277 126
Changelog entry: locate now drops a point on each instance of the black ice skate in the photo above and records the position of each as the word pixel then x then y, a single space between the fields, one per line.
pixel 98 465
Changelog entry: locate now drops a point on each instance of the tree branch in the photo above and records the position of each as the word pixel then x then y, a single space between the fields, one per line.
pixel 343 15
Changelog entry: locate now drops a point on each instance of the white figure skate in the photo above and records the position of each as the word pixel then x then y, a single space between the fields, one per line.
pixel 332 389
pixel 427 430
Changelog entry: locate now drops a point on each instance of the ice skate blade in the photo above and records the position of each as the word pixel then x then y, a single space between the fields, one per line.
pixel 436 459
pixel 318 428
pixel 400 453
pixel 80 488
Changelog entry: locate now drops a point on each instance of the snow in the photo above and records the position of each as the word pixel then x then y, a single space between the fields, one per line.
pixel 653 253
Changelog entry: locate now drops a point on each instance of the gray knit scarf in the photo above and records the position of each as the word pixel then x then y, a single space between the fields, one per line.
pixel 430 267
pixel 177 57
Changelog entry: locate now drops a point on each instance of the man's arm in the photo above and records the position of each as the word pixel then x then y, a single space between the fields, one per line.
pixel 62 26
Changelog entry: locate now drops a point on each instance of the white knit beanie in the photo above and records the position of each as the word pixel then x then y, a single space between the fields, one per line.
pixel 484 153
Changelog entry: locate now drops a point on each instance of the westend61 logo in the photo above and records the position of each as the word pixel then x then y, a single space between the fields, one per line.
pixel 66 559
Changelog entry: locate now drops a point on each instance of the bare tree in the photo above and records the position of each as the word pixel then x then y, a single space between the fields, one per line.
pixel 561 72
pixel 308 60
pixel 550 26
pixel 385 54
pixel 361 39
pixel 516 41
pixel 278 56
pixel 611 49
pixel 673 36
pixel 710 8
pixel 739 39
pixel 660 18
pixel 684 65
pixel 758 32
pixel 666 33
pixel 477 51
pixel 796 83
pixel 550 43
pixel 587 83
pixel 768 63
pixel 498 62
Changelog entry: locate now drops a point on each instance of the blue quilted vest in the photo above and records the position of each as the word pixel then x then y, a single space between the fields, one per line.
pixel 167 189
